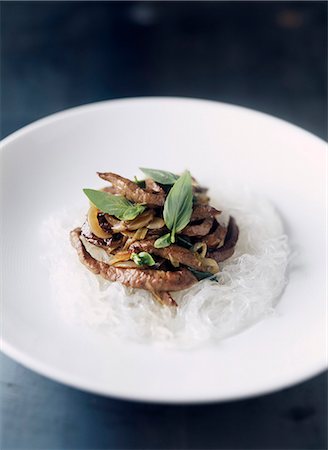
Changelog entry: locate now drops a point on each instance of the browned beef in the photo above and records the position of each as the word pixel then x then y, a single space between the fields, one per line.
pixel 133 192
pixel 227 250
pixel 217 237
pixel 151 280
pixel 198 230
pixel 152 186
pixel 83 255
pixel 204 212
pixel 171 253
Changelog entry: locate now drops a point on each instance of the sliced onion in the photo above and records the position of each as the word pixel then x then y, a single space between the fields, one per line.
pixel 97 253
pixel 117 225
pixel 173 261
pixel 114 246
pixel 94 224
pixel 137 236
pixel 210 265
pixel 140 234
pixel 156 224
pixel 127 265
pixel 128 242
pixel 120 226
pixel 141 221
pixel 120 256
pixel 128 234
pixel 200 248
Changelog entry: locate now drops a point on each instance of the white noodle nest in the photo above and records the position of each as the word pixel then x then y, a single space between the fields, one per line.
pixel 249 284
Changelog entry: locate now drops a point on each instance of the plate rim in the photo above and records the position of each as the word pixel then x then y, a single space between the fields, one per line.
pixel 58 376
pixel 80 109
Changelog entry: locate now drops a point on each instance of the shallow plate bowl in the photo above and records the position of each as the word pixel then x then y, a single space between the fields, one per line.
pixel 44 167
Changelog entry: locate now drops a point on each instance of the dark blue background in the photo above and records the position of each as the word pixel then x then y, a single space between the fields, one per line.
pixel 267 56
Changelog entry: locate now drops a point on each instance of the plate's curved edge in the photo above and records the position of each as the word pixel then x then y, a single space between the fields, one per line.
pixel 84 108
pixel 76 383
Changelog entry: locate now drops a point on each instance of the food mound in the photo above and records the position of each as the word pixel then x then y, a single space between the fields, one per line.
pixel 159 234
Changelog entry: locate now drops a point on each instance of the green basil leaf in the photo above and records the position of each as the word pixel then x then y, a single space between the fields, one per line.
pixel 132 212
pixel 178 205
pixel 160 176
pixel 143 259
pixel 202 275
pixel 163 241
pixel 115 205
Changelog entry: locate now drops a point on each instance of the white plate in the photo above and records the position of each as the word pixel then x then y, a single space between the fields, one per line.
pixel 44 166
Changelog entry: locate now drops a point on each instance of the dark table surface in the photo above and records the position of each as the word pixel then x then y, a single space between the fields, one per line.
pixel 267 56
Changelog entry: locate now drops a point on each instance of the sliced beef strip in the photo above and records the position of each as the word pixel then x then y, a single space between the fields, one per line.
pixel 204 212
pixel 151 280
pixel 83 255
pixel 227 250
pixel 173 252
pixel 216 238
pixel 131 191
pixel 198 230
pixel 152 186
